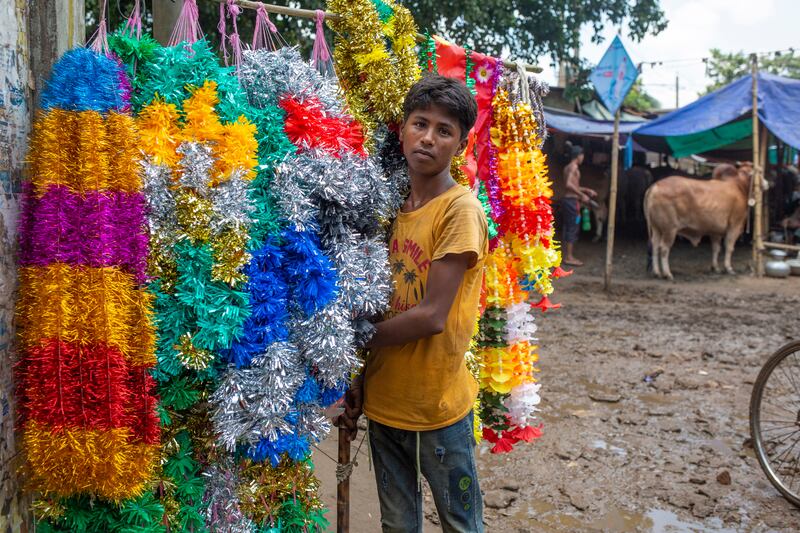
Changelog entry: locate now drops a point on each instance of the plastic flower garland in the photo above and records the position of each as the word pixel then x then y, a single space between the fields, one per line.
pixel 375 79
pixel 88 420
pixel 520 264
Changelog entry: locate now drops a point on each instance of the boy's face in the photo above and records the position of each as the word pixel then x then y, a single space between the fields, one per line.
pixel 430 137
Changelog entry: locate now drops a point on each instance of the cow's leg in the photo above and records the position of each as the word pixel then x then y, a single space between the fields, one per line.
pixel 655 250
pixel 667 240
pixel 716 244
pixel 730 242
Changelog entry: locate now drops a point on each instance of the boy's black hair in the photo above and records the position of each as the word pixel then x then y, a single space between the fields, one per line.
pixel 447 93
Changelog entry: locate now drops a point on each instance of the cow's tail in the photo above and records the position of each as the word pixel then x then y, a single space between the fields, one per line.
pixel 647 214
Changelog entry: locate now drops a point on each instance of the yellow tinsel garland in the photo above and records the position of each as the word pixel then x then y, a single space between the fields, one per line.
pixel 375 79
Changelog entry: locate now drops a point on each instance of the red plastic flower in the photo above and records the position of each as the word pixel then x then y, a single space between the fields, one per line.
pixel 544 304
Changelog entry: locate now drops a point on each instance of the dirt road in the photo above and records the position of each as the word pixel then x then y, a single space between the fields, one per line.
pixel 622 451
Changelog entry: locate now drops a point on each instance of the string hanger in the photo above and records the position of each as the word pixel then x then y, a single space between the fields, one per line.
pixel 321 54
pixel 265 34
pixel 230 9
pixel 187 27
pixel 99 39
pixel 133 25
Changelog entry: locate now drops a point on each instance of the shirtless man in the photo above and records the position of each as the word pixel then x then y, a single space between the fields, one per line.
pixel 570 204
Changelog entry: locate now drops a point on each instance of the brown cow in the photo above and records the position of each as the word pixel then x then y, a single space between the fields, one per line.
pixel 693 208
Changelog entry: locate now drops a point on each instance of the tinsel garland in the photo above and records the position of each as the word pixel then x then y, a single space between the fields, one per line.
pixel 296 351
pixel 199 169
pixel 375 78
pixel 88 410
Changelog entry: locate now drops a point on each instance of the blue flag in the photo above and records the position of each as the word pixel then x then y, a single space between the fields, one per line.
pixel 613 77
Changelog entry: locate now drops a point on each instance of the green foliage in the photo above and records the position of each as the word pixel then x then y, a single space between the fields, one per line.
pixel 578 85
pixel 723 68
pixel 534 28
pixel 639 100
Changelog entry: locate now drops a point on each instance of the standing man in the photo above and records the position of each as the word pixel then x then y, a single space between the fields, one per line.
pixel 570 204
pixel 417 392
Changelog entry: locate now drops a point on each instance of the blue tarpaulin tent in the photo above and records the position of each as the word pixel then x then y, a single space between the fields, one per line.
pixel 722 117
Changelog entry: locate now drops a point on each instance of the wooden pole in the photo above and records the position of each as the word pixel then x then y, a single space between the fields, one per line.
pixel 758 264
pixel 781 246
pixel 612 203
pixel 343 488
pixel 762 157
pixel 312 14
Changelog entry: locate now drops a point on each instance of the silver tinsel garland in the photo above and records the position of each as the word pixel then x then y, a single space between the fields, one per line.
pixel 268 76
pixel 223 513
pixel 348 200
pixel 251 403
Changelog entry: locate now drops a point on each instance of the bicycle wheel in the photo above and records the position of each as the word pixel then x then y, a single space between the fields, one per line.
pixel 775 420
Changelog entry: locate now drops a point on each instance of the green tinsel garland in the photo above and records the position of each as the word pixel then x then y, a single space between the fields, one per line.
pixel 487 209
pixel 427 55
pixel 468 78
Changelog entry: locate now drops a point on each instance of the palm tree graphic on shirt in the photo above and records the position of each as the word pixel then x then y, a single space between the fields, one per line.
pixel 410 278
pixel 398 266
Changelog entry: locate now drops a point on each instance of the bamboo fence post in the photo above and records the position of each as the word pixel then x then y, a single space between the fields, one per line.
pixel 758 264
pixel 764 144
pixel 612 203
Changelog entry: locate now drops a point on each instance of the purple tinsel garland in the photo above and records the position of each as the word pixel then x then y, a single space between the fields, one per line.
pixel 493 180
pixel 98 229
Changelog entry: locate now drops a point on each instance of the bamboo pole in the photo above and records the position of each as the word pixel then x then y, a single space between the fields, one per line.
pixel 782 246
pixel 762 157
pixel 758 264
pixel 343 487
pixel 312 14
pixel 612 203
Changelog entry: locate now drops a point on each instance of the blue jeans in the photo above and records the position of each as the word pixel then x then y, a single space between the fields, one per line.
pixel 447 460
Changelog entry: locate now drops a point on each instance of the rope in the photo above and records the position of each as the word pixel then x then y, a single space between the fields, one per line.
pixel 344 471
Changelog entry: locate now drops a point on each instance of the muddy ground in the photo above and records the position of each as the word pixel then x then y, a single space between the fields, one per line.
pixel 625 453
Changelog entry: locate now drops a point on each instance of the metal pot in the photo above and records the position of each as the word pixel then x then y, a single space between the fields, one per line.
pixel 794 266
pixel 777 267
pixel 778 255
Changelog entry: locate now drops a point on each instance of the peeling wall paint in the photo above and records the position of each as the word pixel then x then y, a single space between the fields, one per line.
pixel 15 114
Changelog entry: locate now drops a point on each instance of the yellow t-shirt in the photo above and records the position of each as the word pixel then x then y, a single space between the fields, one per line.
pixel 425 384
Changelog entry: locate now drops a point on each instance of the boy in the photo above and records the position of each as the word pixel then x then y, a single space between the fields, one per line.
pixel 417 391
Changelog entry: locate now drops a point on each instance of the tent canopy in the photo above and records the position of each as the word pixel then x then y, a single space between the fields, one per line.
pixel 705 125
pixel 574 124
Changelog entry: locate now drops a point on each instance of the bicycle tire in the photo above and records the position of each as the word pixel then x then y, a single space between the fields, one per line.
pixel 792 495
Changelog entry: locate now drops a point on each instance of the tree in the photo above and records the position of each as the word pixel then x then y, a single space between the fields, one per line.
pixel 527 29
pixel 639 100
pixel 723 68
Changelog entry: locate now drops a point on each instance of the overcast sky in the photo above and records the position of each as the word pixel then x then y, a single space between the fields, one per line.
pixel 695 26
